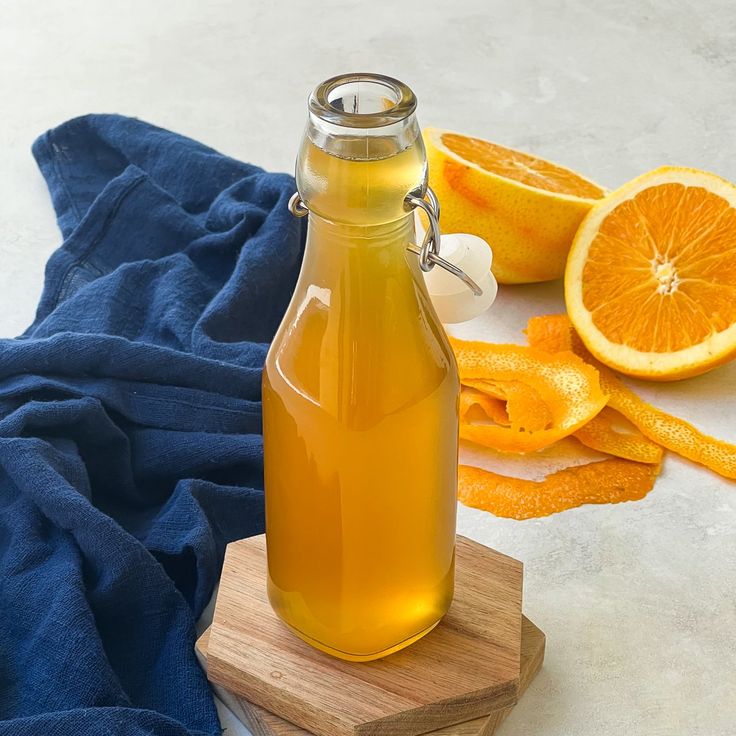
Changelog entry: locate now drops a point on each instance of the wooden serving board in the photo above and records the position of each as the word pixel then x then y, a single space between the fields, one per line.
pixel 467 668
pixel 261 722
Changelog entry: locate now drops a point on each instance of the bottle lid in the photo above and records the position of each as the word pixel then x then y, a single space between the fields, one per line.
pixel 453 300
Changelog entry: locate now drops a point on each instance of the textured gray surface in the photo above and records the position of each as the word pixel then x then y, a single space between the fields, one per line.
pixel 637 600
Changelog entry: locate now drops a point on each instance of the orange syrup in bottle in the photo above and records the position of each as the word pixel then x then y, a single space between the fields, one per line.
pixel 360 395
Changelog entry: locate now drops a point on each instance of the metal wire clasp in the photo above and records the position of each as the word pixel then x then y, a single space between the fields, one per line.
pixel 297 206
pixel 429 251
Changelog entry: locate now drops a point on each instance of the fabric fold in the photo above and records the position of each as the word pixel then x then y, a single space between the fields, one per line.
pixel 130 447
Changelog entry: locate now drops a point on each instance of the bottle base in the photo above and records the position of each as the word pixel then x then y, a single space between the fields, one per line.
pixel 351 657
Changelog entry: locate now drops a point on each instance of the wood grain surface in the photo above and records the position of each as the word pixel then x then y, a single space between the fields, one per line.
pixel 466 668
pixel 264 723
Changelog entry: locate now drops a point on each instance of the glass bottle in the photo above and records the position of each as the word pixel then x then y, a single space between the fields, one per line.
pixel 360 392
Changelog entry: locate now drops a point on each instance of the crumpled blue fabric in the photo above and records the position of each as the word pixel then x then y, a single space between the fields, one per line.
pixel 130 445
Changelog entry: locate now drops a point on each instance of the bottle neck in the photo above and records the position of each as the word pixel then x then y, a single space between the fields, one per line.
pixel 363 273
pixel 326 237
pixel 360 260
pixel 358 179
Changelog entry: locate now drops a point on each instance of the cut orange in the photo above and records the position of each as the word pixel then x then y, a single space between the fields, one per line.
pixel 650 283
pixel 526 208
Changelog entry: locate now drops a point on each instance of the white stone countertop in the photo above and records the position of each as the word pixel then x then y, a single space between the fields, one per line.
pixel 638 600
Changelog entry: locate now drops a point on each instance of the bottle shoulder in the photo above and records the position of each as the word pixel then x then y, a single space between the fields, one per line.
pixel 389 355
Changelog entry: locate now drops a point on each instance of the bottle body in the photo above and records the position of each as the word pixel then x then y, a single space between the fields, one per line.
pixel 360 393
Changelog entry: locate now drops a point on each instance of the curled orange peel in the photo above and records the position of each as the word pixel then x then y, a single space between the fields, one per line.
pixel 566 385
pixel 607 481
pixel 556 333
pixel 493 408
pixel 524 407
pixel 601 434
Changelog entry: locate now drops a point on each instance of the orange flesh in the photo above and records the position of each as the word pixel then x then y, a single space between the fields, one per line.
pixel 607 481
pixel 521 167
pixel 660 274
pixel 556 332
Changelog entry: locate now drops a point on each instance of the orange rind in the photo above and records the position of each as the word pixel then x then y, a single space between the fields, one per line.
pixel 556 332
pixel 567 388
pixel 608 481
pixel 527 208
pixel 492 408
pixel 524 408
pixel 601 433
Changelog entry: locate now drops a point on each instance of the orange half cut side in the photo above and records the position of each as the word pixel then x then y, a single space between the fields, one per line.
pixel 650 283
pixel 521 167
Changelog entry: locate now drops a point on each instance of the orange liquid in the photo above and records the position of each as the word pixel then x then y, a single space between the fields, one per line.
pixel 360 424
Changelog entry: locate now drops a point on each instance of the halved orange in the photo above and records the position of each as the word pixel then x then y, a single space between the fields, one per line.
pixel 526 208
pixel 650 284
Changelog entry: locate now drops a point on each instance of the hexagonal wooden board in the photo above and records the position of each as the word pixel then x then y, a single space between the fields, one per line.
pixel 466 668
pixel 261 722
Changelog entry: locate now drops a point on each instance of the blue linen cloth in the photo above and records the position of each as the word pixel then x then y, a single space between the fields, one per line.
pixel 130 447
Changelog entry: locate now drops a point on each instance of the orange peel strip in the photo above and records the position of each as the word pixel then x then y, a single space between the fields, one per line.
pixel 608 481
pixel 555 332
pixel 494 408
pixel 525 409
pixel 567 385
pixel 599 434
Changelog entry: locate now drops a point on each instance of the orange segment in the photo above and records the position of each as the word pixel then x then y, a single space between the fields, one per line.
pixel 568 388
pixel 521 167
pixel 526 208
pixel 601 433
pixel 556 331
pixel 650 284
pixel 607 481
